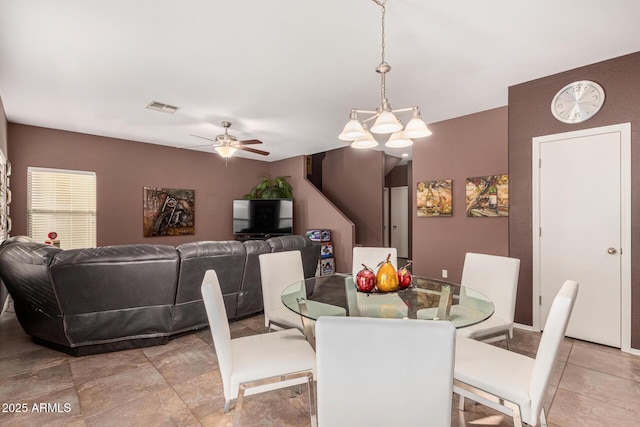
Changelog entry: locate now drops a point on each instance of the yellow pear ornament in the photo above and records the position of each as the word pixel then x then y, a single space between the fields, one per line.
pixel 387 277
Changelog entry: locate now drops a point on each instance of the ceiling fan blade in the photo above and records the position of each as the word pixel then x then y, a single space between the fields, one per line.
pixel 250 142
pixel 202 137
pixel 194 146
pixel 253 150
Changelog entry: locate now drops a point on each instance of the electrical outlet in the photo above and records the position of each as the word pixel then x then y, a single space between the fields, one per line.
pixel 445 274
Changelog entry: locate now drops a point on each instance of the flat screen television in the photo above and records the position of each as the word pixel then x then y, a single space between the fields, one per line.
pixel 262 217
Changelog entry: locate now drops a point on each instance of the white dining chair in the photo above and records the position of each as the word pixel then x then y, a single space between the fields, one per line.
pixel 384 372
pixel 257 363
pixel 496 277
pixel 371 257
pixel 509 382
pixel 279 270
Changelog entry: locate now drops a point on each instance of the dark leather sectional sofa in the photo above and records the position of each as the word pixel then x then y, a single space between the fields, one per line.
pixel 110 298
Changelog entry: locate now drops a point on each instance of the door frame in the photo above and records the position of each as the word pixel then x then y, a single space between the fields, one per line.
pixel 624 129
pixel 404 218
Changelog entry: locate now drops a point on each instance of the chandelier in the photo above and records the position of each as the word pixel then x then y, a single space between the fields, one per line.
pixel 385 118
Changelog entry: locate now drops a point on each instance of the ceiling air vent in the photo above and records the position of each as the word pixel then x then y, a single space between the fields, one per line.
pixel 165 108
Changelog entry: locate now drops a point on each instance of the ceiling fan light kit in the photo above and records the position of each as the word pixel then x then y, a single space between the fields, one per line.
pixel 226 145
pixel 385 118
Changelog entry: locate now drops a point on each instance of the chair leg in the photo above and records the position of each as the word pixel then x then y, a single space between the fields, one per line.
pixel 238 409
pixel 543 418
pixel 508 338
pixel 227 405
pixel 461 402
pixel 312 400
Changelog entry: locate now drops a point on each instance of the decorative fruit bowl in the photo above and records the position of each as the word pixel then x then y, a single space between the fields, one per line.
pixel 375 291
pixel 385 280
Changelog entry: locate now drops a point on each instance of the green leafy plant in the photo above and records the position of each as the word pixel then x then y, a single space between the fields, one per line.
pixel 276 188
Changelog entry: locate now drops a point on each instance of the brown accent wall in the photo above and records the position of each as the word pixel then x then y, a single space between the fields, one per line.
pixel 473 145
pixel 3 129
pixel 397 177
pixel 530 116
pixel 123 168
pixel 313 211
pixel 3 148
pixel 354 180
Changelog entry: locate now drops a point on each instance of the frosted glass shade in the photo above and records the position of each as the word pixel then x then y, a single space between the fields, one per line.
pixel 398 140
pixel 352 130
pixel 367 142
pixel 416 128
pixel 386 122
pixel 226 151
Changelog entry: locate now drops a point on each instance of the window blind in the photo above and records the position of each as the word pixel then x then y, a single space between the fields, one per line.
pixel 63 201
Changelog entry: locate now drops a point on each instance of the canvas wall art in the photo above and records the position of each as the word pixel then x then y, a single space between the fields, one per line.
pixel 434 198
pixel 168 212
pixel 488 196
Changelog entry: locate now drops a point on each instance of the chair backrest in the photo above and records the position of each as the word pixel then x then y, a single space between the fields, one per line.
pixel 496 277
pixel 552 337
pixel 217 315
pixel 384 372
pixel 277 271
pixel 371 257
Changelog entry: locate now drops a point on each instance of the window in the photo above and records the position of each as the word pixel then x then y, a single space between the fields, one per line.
pixel 63 201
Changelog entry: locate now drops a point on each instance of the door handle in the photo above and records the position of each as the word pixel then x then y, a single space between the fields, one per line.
pixel 612 251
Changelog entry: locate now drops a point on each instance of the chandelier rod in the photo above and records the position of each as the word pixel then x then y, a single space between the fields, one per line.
pixel 383 68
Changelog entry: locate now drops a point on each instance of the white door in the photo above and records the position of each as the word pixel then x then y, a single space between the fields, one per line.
pixel 400 220
pixel 580 215
pixel 386 217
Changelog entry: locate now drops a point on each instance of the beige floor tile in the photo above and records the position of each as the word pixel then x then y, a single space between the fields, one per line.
pixel 179 366
pixel 203 395
pixel 30 361
pixel 572 410
pixel 603 359
pixel 60 408
pixel 614 391
pixel 31 386
pixel 89 368
pixel 163 408
pixel 106 393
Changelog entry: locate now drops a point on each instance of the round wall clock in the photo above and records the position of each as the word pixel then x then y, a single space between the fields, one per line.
pixel 577 101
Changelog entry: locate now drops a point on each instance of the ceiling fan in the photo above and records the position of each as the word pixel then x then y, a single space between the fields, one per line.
pixel 226 144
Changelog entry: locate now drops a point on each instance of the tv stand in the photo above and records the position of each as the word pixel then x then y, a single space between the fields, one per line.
pixel 244 238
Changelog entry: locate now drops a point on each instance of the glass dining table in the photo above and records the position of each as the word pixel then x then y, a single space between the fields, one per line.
pixel 425 298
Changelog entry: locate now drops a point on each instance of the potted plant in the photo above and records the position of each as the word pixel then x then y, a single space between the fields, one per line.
pixel 276 188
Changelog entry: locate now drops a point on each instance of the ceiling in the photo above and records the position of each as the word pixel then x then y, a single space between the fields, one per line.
pixel 286 72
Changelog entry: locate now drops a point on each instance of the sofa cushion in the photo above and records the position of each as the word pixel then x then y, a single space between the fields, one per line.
pixel 250 297
pixel 116 293
pixel 25 272
pixel 227 258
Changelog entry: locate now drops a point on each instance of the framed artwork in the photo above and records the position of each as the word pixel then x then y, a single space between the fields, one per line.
pixel 168 212
pixel 488 196
pixel 5 196
pixel 434 198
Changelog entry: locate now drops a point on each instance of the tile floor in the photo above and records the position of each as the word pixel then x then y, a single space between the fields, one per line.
pixel 178 384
